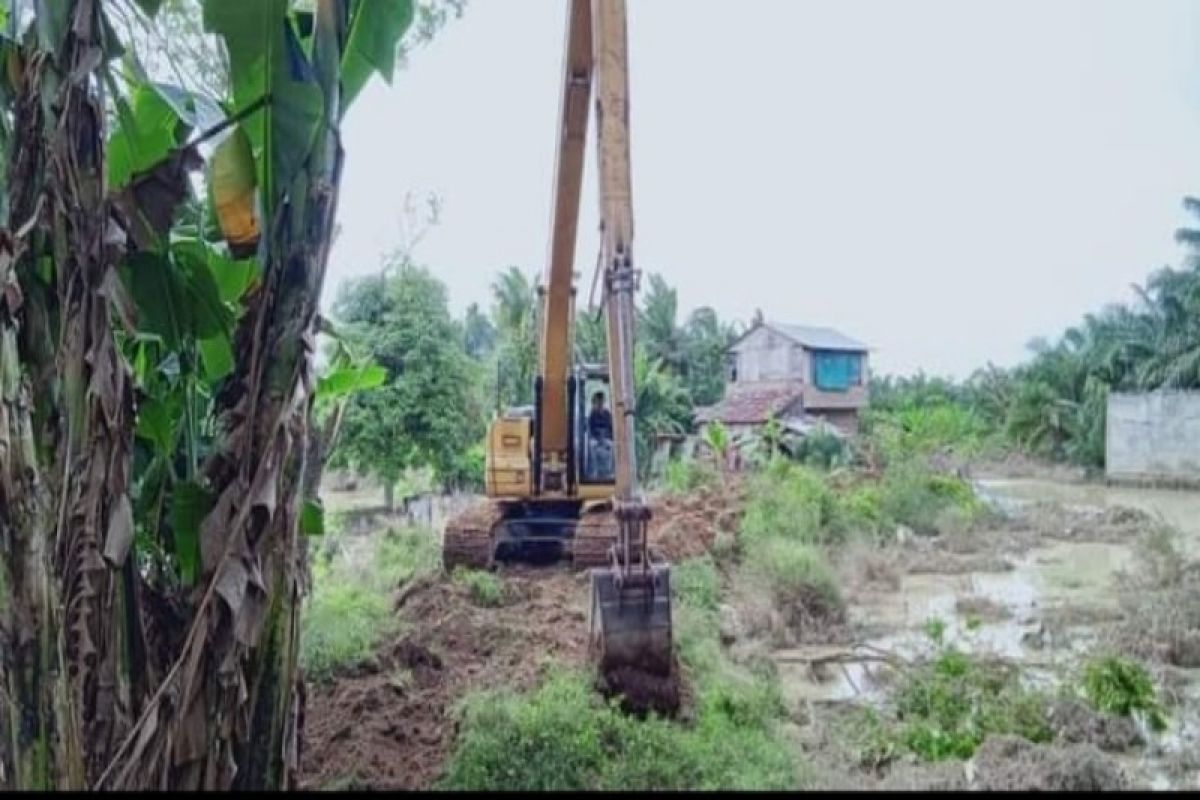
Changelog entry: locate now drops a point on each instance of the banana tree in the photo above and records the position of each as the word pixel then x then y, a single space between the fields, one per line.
pixel 228 710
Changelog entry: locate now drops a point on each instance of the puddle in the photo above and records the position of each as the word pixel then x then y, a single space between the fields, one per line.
pixel 1042 613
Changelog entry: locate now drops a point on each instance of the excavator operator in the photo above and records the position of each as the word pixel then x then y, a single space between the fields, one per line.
pixel 599 420
pixel 599 461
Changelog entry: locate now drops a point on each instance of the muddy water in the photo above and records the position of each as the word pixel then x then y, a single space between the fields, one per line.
pixel 1178 508
pixel 1041 613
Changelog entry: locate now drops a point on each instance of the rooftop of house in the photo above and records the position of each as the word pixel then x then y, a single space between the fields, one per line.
pixel 811 337
pixel 751 403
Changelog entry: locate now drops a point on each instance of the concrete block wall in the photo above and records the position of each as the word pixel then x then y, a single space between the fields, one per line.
pixel 1153 437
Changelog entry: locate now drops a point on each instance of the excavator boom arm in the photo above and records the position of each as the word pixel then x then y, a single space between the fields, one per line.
pixel 556 325
pixel 616 222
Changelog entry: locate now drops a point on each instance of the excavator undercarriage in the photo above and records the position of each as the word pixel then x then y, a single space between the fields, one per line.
pixel 531 532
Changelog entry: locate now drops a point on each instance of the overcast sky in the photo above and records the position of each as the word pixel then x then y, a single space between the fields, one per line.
pixel 943 179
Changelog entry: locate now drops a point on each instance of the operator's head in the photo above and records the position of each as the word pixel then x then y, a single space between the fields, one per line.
pixel 598 400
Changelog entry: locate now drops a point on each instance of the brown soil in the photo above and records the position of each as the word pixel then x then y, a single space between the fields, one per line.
pixel 391 725
pixel 640 692
pixel 686 526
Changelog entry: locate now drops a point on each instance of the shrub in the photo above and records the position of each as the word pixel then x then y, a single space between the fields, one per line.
pixel 949 705
pixel 1122 687
pixel 860 510
pixel 790 502
pixel 821 448
pixel 484 588
pixel 681 476
pixel 917 497
pixel 402 555
pixel 790 565
pixel 563 737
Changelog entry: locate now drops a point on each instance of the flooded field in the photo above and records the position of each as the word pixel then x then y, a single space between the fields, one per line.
pixel 1040 593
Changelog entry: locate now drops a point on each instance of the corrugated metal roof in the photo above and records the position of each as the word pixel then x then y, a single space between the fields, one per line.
pixel 751 403
pixel 818 338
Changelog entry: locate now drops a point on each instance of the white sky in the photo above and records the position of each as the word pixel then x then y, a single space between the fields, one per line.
pixel 944 179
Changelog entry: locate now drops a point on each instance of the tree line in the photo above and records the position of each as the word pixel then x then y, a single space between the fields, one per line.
pixel 1054 404
pixel 447 376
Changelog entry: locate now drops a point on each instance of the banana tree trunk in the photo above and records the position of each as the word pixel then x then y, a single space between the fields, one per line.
pixel 232 694
pixel 95 524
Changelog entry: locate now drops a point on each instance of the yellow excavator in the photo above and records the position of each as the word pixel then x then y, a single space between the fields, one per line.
pixel 560 484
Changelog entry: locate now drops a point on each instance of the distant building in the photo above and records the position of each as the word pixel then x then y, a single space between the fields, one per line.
pixel 800 375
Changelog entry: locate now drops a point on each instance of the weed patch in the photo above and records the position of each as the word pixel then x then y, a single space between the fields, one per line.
pixel 350 610
pixel 1123 688
pixel 564 736
pixel 946 707
pixel 484 588
pixel 684 476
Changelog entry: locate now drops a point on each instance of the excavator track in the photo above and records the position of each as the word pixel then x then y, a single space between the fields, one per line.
pixel 467 541
pixel 595 535
pixel 470 538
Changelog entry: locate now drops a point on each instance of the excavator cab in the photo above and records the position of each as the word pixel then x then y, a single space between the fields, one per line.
pixel 593 433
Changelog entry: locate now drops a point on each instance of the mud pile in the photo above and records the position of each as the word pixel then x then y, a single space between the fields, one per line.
pixel 687 526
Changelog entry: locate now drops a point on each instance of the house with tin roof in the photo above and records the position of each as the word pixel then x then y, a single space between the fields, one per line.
pixel 803 376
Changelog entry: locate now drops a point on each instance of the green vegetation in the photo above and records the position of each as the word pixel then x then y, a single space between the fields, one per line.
pixel 350 610
pixel 802 504
pixel 945 707
pixel 563 736
pixel 485 588
pixel 1122 687
pixel 1053 406
pixel 427 412
pixel 683 476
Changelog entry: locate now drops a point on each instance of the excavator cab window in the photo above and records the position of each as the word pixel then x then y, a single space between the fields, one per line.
pixel 594 428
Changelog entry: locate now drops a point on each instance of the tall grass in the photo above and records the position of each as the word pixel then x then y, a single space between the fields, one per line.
pixel 350 610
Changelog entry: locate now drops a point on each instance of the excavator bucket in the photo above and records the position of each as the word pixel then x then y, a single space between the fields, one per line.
pixel 631 620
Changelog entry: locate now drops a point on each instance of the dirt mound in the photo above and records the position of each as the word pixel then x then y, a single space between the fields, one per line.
pixel 1074 722
pixel 686 526
pixel 641 693
pixel 1010 763
pixel 390 724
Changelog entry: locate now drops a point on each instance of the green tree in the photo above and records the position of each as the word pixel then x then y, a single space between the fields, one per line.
pixel 706 343
pixel 514 312
pixel 479 334
pixel 663 405
pixel 427 412
pixel 658 328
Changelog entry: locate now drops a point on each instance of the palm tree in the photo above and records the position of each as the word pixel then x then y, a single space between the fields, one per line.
pixel 663 404
pixel 514 311
pixel 514 297
pixel 658 327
